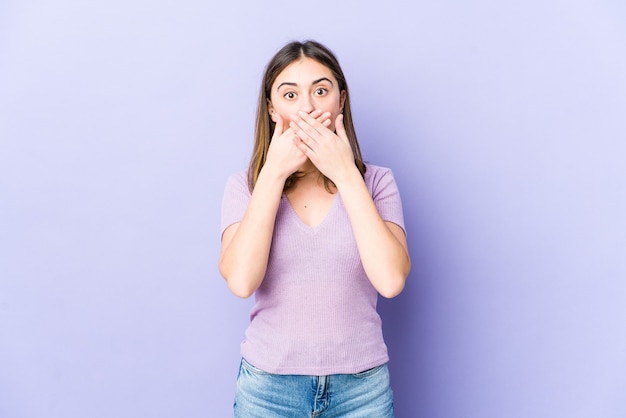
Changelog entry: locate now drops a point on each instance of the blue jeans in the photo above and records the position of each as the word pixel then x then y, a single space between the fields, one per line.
pixel 265 395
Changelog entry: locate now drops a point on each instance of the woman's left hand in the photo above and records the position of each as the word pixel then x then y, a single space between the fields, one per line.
pixel 329 151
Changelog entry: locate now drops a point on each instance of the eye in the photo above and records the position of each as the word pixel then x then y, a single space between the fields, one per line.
pixel 321 91
pixel 290 95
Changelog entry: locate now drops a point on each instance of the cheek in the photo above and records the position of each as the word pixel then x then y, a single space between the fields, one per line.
pixel 334 109
pixel 282 110
pixel 285 116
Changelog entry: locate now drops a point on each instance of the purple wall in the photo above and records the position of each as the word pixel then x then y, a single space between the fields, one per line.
pixel 120 121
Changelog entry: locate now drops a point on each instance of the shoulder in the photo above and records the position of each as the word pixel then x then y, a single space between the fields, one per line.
pixel 238 179
pixel 239 176
pixel 237 183
pixel 376 171
pixel 375 175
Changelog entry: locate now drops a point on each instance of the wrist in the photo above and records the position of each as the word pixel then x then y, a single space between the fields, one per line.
pixel 273 174
pixel 348 178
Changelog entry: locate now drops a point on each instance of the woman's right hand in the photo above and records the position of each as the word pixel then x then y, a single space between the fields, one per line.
pixel 246 244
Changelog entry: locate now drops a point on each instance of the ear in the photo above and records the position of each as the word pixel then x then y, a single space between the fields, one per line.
pixel 271 111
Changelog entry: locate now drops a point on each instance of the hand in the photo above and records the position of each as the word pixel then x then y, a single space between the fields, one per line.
pixel 283 153
pixel 330 152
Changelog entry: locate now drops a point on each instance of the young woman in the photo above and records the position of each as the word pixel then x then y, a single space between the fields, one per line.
pixel 315 233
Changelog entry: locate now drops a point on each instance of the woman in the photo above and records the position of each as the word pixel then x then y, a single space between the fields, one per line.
pixel 315 234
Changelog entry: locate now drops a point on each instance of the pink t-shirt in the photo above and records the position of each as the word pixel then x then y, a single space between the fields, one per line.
pixel 315 311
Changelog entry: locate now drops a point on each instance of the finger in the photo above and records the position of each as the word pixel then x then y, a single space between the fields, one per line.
pixel 304 128
pixel 302 135
pixel 311 121
pixel 302 146
pixel 319 115
pixel 305 124
pixel 340 129
pixel 323 117
pixel 278 129
pixel 316 113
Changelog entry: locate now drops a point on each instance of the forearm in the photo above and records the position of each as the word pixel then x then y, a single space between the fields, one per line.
pixel 245 253
pixel 383 253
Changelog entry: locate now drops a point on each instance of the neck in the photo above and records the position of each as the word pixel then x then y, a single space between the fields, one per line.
pixel 308 171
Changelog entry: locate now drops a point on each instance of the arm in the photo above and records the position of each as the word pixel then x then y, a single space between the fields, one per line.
pixel 246 245
pixel 382 245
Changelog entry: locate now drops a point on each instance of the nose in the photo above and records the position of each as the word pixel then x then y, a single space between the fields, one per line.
pixel 307 105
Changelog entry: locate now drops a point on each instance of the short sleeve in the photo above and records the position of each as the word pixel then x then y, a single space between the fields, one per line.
pixel 235 199
pixel 385 193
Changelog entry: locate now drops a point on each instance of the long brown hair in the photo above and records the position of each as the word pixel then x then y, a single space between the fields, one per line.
pixel 264 128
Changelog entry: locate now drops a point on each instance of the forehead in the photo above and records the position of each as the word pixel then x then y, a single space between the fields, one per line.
pixel 304 71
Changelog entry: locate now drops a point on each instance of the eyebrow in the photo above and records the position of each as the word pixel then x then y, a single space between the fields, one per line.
pixel 319 80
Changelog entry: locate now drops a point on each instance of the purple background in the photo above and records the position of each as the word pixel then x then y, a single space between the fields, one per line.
pixel 505 126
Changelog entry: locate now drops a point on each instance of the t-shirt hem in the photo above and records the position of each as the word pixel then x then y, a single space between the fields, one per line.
pixel 325 371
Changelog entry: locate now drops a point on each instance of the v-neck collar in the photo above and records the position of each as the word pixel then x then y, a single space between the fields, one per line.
pixel 303 224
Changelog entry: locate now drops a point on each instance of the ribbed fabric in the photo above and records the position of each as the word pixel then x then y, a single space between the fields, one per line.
pixel 315 312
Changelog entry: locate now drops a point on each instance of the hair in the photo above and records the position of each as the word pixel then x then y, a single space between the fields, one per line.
pixel 264 128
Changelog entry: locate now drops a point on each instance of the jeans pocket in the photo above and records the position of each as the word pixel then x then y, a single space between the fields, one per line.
pixel 250 368
pixel 369 372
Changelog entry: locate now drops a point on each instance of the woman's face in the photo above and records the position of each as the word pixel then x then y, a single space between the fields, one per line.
pixel 305 85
